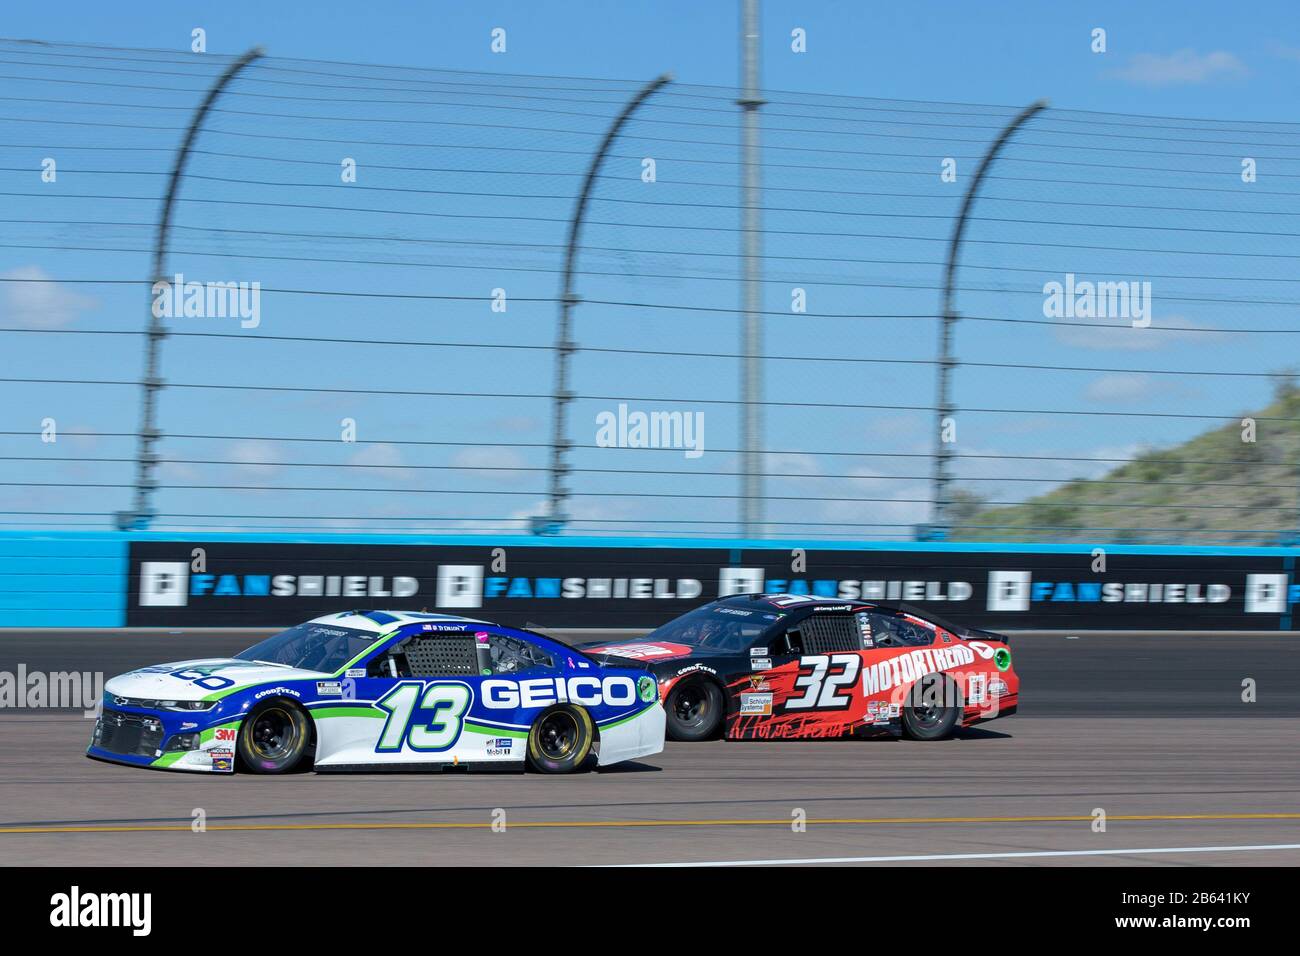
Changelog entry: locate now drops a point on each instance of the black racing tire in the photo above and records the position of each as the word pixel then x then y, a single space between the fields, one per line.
pixel 274 737
pixel 560 739
pixel 933 709
pixel 694 709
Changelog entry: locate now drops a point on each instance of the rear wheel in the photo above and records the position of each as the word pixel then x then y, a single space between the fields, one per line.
pixel 694 710
pixel 560 739
pixel 933 709
pixel 274 737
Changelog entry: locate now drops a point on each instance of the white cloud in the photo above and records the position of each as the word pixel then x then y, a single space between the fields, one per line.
pixel 81 436
pixel 899 425
pixel 387 461
pixel 490 463
pixel 792 464
pixel 178 471
pixel 1284 51
pixel 255 459
pixel 1164 331
pixel 38 302
pixel 1124 388
pixel 611 514
pixel 1180 68
pixel 886 514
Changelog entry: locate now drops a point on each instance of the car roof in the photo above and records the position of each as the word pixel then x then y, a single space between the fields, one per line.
pixel 381 622
pixel 788 602
pixel 797 601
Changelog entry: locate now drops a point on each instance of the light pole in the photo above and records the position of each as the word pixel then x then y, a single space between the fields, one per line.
pixel 142 512
pixel 751 346
pixel 944 408
pixel 554 522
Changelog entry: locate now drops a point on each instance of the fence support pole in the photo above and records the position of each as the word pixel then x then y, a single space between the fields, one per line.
pixel 142 511
pixel 751 237
pixel 944 408
pixel 555 520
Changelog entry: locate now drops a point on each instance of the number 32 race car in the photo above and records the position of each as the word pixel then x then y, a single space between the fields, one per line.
pixel 376 690
pixel 785 666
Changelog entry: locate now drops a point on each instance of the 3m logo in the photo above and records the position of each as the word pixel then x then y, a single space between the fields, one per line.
pixel 460 585
pixel 223 733
pixel 164 583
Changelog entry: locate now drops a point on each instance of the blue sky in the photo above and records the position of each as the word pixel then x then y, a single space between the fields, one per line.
pixel 1002 52
pixel 1175 195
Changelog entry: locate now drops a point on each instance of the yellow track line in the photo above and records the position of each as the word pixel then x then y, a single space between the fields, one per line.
pixel 580 824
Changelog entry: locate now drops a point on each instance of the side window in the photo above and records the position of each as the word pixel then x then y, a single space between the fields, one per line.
pixel 791 642
pixel 917 635
pixel 886 630
pixel 828 633
pixel 508 655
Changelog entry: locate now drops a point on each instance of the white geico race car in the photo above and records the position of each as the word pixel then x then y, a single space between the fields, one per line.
pixel 383 690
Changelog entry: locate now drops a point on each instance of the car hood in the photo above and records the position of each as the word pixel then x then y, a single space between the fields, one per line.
pixel 162 683
pixel 642 652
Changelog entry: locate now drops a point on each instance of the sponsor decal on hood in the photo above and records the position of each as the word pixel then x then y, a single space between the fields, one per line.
pixel 644 650
pixel 195 680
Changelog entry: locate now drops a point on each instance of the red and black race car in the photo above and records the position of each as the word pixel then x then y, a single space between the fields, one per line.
pixel 786 666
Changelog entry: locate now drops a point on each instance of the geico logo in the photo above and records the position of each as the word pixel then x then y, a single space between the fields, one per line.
pixel 543 691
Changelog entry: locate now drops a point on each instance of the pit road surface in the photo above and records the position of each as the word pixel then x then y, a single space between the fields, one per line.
pixel 1150 729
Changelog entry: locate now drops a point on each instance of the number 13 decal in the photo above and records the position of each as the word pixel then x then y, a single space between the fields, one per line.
pixel 822 684
pixel 444 707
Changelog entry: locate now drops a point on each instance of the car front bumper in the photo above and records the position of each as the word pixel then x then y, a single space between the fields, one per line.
pixel 163 740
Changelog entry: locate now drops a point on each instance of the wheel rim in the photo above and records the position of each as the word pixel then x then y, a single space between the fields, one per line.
pixel 558 735
pixel 274 734
pixel 926 712
pixel 928 716
pixel 691 706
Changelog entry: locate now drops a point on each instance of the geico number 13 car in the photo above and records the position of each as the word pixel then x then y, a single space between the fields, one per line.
pixel 785 666
pixel 383 690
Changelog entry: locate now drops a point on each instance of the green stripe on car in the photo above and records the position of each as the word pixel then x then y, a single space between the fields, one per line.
pixel 484 729
pixel 320 713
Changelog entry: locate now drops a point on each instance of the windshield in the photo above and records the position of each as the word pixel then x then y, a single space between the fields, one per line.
pixel 313 647
pixel 716 626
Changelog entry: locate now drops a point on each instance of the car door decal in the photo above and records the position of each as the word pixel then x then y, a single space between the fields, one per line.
pixel 828 683
pixel 423 717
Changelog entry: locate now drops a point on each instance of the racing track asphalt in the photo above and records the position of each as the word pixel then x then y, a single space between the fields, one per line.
pixel 1149 728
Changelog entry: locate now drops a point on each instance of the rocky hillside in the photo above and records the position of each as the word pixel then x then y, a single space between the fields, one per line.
pixel 1214 489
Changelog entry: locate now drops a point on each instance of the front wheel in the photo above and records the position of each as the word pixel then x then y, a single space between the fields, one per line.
pixel 560 740
pixel 274 737
pixel 933 709
pixel 694 710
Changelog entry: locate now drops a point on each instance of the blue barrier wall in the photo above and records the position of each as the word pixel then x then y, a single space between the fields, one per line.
pixel 62 579
pixel 87 579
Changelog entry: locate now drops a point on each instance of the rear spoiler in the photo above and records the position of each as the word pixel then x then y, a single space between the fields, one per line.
pixel 965 633
pixel 975 634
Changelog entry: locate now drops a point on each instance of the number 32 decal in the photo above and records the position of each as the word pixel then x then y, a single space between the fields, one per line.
pixel 827 677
